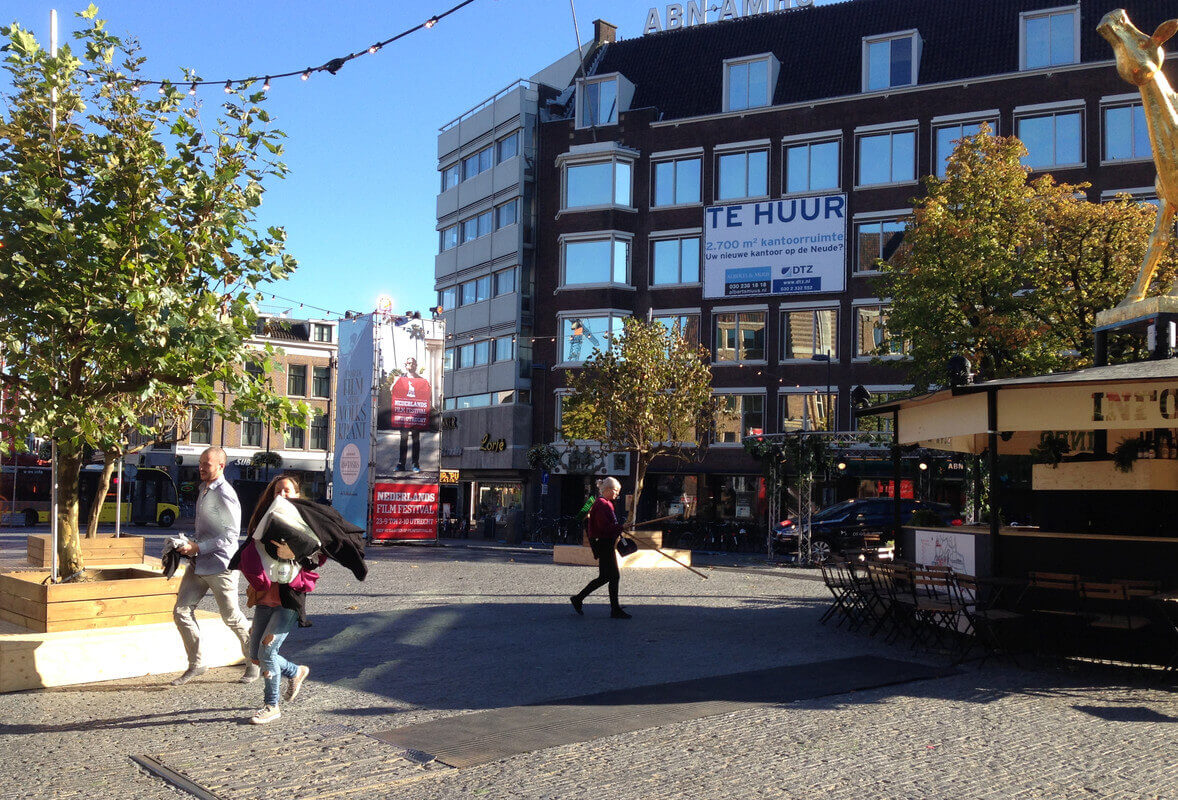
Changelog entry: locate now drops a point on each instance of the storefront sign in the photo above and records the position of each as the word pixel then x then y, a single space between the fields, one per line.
pixel 489 445
pixel 448 477
pixel 776 247
pixel 696 12
pixel 404 511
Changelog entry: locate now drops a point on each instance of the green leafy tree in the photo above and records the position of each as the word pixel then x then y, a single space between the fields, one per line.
pixel 650 394
pixel 1007 271
pixel 130 260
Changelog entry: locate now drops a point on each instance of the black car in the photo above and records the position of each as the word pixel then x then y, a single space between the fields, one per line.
pixel 841 527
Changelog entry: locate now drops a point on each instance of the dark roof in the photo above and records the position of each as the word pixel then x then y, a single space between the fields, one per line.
pixel 679 72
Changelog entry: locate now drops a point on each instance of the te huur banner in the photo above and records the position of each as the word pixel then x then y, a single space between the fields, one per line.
pixel 404 511
pixel 353 420
pixel 776 247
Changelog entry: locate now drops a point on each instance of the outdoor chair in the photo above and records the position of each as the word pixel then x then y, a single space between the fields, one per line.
pixel 936 609
pixel 989 625
pixel 880 602
pixel 1114 630
pixel 1052 599
pixel 845 590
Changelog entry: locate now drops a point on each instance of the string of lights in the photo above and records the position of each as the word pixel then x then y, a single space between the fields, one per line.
pixel 332 66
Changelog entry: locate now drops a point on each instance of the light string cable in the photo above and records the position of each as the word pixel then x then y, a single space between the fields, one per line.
pixel 332 66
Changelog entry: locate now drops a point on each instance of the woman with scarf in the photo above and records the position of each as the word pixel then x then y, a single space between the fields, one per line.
pixel 604 530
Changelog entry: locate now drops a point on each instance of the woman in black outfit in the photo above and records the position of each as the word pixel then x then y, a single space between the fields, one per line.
pixel 604 530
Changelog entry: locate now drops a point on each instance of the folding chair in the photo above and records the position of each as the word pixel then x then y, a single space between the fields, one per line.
pixel 991 626
pixel 838 579
pixel 1053 601
pixel 935 606
pixel 1109 611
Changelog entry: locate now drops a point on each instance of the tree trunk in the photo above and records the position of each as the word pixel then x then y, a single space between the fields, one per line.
pixel 108 466
pixel 69 549
pixel 640 466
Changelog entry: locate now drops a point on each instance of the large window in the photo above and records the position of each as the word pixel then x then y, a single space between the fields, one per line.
pixel 809 332
pixel 296 380
pixel 598 184
pixel 1050 38
pixel 599 103
pixel 812 410
pixel 507 214
pixel 251 432
pixel 878 240
pixel 890 61
pixel 321 333
pixel 676 182
pixel 448 238
pixel 474 354
pixel 946 137
pixel 740 336
pixel 202 426
pixel 508 147
pixel 504 281
pixel 1052 140
pixel 888 157
pixel 451 176
pixel 687 325
pixel 296 438
pixel 880 422
pixel 475 291
pixel 738 416
pixel 596 261
pixel 477 226
pixel 871 333
pixel 675 261
pixel 321 381
pixel 580 336
pixel 746 84
pixel 742 174
pixel 448 298
pixel 481 161
pixel 504 348
pixel 1125 133
pixel 319 432
pixel 811 166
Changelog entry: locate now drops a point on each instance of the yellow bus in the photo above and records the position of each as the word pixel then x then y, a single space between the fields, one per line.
pixel 148 497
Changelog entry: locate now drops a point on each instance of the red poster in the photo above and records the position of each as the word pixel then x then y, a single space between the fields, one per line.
pixel 405 511
pixel 884 489
pixel 410 398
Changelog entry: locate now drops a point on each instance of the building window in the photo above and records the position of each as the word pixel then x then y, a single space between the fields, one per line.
pixel 321 381
pixel 477 290
pixel 677 182
pixel 598 184
pixel 476 354
pixel 201 431
pixel 504 348
pixel 508 147
pixel 1052 140
pixel 740 336
pixel 296 438
pixel 946 138
pixel 296 380
pixel 1050 37
pixel 582 335
pixel 1125 133
pixel 504 281
pixel 448 238
pixel 686 325
pixel 477 226
pixel 321 333
pixel 596 261
pixel 808 411
pixel 738 416
pixel 319 432
pixel 251 432
pixel 887 158
pixel 451 176
pixel 809 332
pixel 741 175
pixel 507 214
pixel 747 84
pixel 599 103
pixel 675 261
pixel 879 422
pixel 871 334
pixel 254 368
pixel 448 298
pixel 811 166
pixel 879 240
pixel 448 359
pixel 892 60
pixel 481 161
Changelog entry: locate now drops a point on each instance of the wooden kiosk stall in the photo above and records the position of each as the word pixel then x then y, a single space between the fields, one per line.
pixel 1092 518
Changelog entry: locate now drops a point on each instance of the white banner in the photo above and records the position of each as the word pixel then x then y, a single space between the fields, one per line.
pixel 776 247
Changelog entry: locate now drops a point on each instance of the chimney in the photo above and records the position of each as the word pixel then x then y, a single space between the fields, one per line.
pixel 604 32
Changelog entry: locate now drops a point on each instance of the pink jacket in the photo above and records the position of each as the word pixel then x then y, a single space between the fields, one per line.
pixel 251 567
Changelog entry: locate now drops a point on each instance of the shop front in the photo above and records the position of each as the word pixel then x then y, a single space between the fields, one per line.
pixel 486 471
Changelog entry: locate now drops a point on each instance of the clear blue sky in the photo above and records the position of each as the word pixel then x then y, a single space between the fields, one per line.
pixel 359 204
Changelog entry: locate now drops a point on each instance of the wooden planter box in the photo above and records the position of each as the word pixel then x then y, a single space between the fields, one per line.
pixel 1148 474
pixel 103 549
pixel 123 596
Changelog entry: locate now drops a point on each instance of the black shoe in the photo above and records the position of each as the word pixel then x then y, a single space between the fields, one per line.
pixel 399 468
pixel 577 602
pixel 619 613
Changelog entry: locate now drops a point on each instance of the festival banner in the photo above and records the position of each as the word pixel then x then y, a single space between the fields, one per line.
pixel 353 420
pixel 402 511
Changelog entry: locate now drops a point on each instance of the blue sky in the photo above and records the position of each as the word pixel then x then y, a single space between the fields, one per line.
pixel 359 204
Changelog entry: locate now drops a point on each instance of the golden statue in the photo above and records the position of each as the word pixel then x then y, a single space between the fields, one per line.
pixel 1139 61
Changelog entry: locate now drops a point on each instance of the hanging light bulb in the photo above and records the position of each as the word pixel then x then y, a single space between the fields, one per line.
pixel 306 75
pixel 162 92
pixel 192 89
pixel 372 50
pixel 266 84
pixel 90 79
pixel 228 87
pixel 136 86
pixel 432 21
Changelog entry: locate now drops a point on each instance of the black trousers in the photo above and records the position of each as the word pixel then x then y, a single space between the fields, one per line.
pixel 607 570
pixel 408 434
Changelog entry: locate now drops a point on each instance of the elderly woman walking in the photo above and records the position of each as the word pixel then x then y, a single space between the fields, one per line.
pixel 604 530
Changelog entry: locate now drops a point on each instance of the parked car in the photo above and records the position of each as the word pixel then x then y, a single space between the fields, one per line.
pixel 843 526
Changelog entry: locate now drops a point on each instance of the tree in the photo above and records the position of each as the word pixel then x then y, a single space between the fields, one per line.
pixel 650 393
pixel 1007 272
pixel 129 262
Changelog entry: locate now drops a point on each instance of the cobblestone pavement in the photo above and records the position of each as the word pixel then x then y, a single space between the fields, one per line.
pixel 440 631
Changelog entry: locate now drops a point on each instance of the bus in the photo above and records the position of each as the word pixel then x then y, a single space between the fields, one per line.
pixel 149 495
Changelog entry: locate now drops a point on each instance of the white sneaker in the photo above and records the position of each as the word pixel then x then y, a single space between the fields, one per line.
pixel 267 714
pixel 296 683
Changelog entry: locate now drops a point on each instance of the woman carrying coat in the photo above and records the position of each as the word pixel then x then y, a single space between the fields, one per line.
pixel 604 530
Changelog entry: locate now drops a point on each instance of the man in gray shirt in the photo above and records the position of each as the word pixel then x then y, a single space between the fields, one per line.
pixel 218 526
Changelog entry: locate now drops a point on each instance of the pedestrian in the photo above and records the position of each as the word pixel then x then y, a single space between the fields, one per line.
pixel 269 563
pixel 604 530
pixel 218 526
